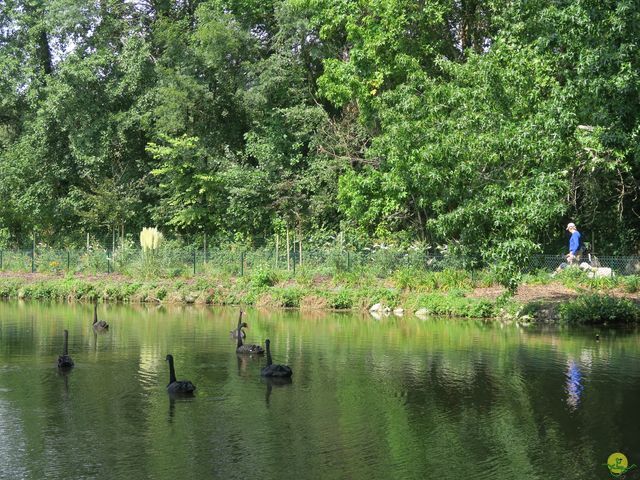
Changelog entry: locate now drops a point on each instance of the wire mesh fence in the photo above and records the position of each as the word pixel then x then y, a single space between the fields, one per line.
pixel 619 265
pixel 174 262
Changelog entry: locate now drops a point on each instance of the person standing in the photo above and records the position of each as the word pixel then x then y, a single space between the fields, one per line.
pixel 575 244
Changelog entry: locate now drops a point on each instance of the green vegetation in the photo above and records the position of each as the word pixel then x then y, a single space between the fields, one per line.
pixel 446 293
pixel 439 293
pixel 598 310
pixel 475 127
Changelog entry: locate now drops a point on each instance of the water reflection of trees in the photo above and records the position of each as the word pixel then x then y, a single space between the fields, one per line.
pixel 385 399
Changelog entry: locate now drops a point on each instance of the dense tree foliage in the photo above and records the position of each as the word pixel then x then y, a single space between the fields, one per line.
pixel 483 126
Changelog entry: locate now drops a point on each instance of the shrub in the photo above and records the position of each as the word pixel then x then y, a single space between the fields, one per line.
pixel 264 277
pixel 82 289
pixel 599 309
pixel 456 306
pixel 408 278
pixel 602 283
pixel 481 309
pixel 484 278
pixel 368 296
pixel 341 300
pixel 572 277
pixel 631 284
pixel 450 279
pixel 9 288
pixel 356 276
pixel 538 277
pixel 288 296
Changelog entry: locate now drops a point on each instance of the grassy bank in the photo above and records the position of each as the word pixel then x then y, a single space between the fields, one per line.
pixel 447 293
pixel 443 294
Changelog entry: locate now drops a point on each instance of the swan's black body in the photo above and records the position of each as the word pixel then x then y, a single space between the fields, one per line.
pixel 98 326
pixel 241 347
pixel 184 387
pixel 271 370
pixel 64 360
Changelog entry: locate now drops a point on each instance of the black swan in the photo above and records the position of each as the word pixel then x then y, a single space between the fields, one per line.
pixel 246 349
pixel 234 332
pixel 98 325
pixel 272 370
pixel 178 386
pixel 64 360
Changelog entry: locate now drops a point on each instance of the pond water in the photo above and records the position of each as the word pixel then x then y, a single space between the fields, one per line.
pixel 398 398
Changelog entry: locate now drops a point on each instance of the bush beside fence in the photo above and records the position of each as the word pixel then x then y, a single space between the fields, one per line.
pixel 174 262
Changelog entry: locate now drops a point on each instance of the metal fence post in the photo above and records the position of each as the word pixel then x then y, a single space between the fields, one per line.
pixel 108 263
pixel 68 260
pixel 33 260
pixel 242 263
pixel 0 259
pixel 194 261
pixel 348 261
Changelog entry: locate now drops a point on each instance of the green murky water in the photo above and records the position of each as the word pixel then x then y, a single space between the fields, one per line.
pixel 398 398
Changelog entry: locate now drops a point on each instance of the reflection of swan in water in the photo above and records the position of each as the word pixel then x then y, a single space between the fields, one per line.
pixel 272 370
pixel 175 398
pixel 573 385
pixel 274 382
pixel 64 373
pixel 246 349
pixel 243 363
pixel 172 407
pixel 184 387
pixel 64 360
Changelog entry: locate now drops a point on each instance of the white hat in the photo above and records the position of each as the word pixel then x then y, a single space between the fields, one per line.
pixel 571 225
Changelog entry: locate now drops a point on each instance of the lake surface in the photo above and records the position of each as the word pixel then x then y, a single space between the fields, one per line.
pixel 399 398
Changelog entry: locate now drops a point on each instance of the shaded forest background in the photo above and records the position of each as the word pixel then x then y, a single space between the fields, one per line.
pixel 480 125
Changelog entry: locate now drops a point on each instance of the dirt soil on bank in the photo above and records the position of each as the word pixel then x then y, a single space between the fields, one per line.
pixel 550 293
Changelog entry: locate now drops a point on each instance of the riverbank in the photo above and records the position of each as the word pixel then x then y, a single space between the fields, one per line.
pixel 447 293
pixel 450 296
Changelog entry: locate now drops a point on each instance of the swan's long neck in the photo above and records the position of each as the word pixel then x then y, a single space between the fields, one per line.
pixel 240 331
pixel 269 361
pixel 95 313
pixel 65 348
pixel 172 371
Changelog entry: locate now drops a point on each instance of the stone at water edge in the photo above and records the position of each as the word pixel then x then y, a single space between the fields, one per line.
pixel 398 312
pixel 376 308
pixel 423 312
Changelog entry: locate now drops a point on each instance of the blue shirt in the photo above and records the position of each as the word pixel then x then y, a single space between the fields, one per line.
pixel 575 243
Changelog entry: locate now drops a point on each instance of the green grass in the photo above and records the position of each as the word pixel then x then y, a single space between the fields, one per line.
pixel 598 310
pixel 263 285
pixel 439 293
pixel 454 305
